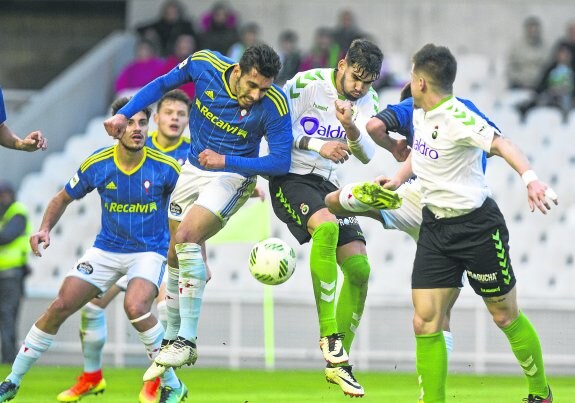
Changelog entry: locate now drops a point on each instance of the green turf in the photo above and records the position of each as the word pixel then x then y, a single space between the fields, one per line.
pixel 42 384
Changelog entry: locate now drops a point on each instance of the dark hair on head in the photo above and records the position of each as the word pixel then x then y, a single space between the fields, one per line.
pixel 175 95
pixel 366 57
pixel 121 102
pixel 261 57
pixel 438 64
pixel 405 92
pixel 288 36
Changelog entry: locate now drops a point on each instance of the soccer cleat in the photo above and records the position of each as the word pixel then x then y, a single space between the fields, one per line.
pixel 182 352
pixel 170 395
pixel 376 196
pixel 153 372
pixel 332 348
pixel 538 399
pixel 81 389
pixel 8 390
pixel 149 392
pixel 343 377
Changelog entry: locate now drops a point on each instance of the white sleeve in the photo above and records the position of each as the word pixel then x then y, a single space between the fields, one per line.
pixel 472 130
pixel 364 147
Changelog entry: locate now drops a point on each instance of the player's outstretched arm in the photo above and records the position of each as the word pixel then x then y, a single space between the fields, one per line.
pixel 378 132
pixel 32 142
pixel 52 215
pixel 537 191
pixel 404 173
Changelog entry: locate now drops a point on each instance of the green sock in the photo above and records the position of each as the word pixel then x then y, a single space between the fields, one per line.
pixel 527 349
pixel 351 300
pixel 431 366
pixel 323 265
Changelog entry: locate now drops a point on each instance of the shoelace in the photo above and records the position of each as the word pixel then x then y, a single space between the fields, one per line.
pixel 347 369
pixel 333 338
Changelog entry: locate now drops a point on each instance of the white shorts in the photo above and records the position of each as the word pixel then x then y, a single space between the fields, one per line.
pixel 408 217
pixel 103 269
pixel 223 193
pixel 122 283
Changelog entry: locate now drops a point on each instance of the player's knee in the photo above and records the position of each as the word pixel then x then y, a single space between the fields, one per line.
pixel 332 201
pixel 136 309
pixel 427 322
pixel 356 269
pixel 59 310
pixel 327 232
pixel 504 318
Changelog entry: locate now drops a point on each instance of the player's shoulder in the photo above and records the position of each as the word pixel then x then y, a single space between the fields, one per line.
pixel 463 112
pixel 212 59
pixel 162 159
pixel 99 156
pixel 309 79
pixel 276 100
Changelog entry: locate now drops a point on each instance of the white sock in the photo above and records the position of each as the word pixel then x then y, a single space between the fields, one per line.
pixel 163 313
pixel 93 336
pixel 172 304
pixel 35 343
pixel 448 336
pixel 348 201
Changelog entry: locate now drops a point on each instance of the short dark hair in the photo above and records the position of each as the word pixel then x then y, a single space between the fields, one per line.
pixel 366 57
pixel 438 64
pixel 121 102
pixel 175 95
pixel 263 58
pixel 405 92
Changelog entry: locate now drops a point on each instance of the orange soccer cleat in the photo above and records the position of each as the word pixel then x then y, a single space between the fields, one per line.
pixel 88 384
pixel 149 392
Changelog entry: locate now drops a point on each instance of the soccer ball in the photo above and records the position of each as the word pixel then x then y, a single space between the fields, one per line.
pixel 272 261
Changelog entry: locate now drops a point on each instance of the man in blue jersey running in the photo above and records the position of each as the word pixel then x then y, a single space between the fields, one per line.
pixel 32 142
pixel 235 106
pixel 171 117
pixel 134 183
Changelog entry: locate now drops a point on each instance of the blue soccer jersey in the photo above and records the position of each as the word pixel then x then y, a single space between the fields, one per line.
pixel 2 108
pixel 134 204
pixel 403 125
pixel 179 151
pixel 218 123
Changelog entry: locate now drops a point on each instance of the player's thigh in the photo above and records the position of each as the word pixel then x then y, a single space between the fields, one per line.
pixel 104 300
pixel 503 308
pixel 73 294
pixel 100 268
pixel 172 255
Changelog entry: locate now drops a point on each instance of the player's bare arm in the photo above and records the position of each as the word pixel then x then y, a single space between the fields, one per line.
pixel 32 142
pixel 52 215
pixel 404 173
pixel 537 191
pixel 116 125
pixel 377 130
pixel 332 150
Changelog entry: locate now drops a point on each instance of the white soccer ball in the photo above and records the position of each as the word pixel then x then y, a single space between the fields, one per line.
pixel 272 261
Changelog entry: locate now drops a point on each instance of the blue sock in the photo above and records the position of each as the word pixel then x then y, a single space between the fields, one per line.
pixel 35 343
pixel 93 335
pixel 192 283
pixel 172 304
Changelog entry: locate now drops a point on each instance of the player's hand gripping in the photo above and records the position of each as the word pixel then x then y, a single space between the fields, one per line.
pixel 538 193
pixel 33 141
pixel 335 151
pixel 116 125
pixel 400 150
pixel 387 182
pixel 212 160
pixel 38 238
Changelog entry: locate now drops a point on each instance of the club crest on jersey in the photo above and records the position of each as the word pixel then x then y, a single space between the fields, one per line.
pixel 147 185
pixel 434 134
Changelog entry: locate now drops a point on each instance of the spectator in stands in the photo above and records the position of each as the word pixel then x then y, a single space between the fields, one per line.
pixel 290 57
pixel 172 23
pixel 324 52
pixel 569 41
pixel 219 28
pixel 557 85
pixel 249 36
pixel 15 228
pixel 527 57
pixel 185 45
pixel 346 30
pixel 141 70
pixel 32 142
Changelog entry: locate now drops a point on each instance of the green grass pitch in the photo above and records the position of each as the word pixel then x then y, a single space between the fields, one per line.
pixel 43 383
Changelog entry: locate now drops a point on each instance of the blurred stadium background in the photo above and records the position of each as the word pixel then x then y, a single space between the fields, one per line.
pixel 58 62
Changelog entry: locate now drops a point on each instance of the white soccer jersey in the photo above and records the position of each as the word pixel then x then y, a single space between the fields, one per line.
pixel 311 98
pixel 448 144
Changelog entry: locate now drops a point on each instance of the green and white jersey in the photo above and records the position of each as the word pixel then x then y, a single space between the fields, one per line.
pixel 311 97
pixel 446 156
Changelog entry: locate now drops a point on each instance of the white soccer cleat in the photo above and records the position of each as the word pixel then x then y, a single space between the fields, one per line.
pixel 182 352
pixel 343 377
pixel 153 372
pixel 332 348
